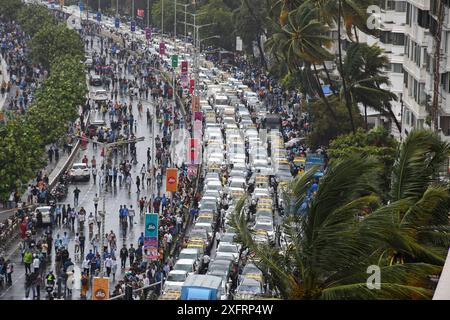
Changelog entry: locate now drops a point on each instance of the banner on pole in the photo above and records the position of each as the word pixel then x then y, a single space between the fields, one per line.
pixel 162 48
pixel 193 151
pixel 171 179
pixel 151 225
pixel 100 288
pixel 191 86
pixel 184 67
pixel 195 104
pixel 117 22
pixel 238 44
pixel 140 13
pixel 192 170
pixel 133 26
pixel 148 33
pixel 99 16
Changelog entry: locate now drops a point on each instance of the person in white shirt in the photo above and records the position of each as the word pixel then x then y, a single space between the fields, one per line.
pixel 131 214
pixel 36 263
pixel 85 266
pixel 77 244
pixel 96 200
pixel 108 265
pixel 114 268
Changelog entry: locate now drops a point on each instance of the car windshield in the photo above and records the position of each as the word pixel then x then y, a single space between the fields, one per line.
pixel 189 255
pixel 252 289
pixel 250 268
pixel 79 167
pixel 183 267
pixel 228 238
pixel 176 277
pixel 232 249
pixel 266 227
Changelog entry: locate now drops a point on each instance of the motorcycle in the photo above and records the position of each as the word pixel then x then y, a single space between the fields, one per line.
pixel 60 191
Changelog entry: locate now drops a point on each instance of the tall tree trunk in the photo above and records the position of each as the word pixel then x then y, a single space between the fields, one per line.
pixel 365 117
pixel 344 84
pixel 322 95
pixel 436 67
pixel 356 33
pixel 261 53
pixel 328 78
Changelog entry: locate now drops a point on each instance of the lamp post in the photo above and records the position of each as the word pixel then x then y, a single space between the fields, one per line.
pixel 201 40
pixel 148 13
pixel 185 21
pixel 162 18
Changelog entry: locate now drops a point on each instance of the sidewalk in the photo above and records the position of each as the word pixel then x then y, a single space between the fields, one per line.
pixel 51 169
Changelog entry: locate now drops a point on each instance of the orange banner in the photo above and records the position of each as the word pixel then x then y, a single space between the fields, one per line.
pixel 100 289
pixel 195 104
pixel 171 180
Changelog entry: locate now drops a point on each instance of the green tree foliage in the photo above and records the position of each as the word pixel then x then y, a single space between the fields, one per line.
pixel 52 41
pixel 33 16
pixel 324 126
pixel 58 99
pixel 9 9
pixel 21 156
pixel 348 226
pixel 377 142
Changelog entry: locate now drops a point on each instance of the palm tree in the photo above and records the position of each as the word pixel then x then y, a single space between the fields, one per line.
pixel 363 70
pixel 302 43
pixel 330 248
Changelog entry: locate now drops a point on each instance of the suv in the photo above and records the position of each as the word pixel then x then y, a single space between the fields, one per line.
pixel 80 171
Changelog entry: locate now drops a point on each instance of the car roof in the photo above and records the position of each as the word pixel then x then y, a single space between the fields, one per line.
pixel 185 261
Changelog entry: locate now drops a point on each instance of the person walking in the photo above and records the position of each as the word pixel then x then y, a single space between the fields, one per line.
pixel 131 254
pixel 29 280
pixel 84 284
pixel 138 184
pixel 27 260
pixel 123 256
pixel 108 265
pixel 96 200
pixel 76 194
pixel 131 214
pixel 94 175
pixel 82 239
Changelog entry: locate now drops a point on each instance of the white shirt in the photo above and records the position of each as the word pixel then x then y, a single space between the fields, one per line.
pixel 36 263
pixel 131 212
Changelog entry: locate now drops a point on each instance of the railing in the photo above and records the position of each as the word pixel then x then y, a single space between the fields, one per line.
pixel 136 290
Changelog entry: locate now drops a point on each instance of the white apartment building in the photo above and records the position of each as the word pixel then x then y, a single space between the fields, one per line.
pixel 392 40
pixel 421 25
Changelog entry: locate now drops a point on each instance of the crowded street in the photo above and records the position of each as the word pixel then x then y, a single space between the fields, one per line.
pixel 137 151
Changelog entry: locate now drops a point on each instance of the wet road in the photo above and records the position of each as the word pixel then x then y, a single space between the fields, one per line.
pixel 114 197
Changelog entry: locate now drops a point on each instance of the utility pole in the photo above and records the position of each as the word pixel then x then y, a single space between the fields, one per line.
pixel 185 21
pixel 117 8
pixel 162 18
pixel 148 13
pixel 175 22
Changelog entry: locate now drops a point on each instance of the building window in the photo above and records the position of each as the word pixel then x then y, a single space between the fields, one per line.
pixel 400 6
pixel 388 37
pixel 395 67
pixel 422 95
pixel 405 79
pixel 408 14
pixel 423 18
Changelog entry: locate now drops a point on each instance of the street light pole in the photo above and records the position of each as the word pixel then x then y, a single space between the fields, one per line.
pixel 175 22
pixel 162 18
pixel 148 13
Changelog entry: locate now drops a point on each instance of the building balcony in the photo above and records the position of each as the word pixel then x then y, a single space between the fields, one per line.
pixel 421 4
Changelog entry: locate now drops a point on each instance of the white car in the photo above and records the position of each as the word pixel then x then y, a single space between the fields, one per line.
pixel 46 212
pixel 265 225
pixel 227 249
pixel 80 171
pixel 99 95
pixel 175 278
pixel 185 265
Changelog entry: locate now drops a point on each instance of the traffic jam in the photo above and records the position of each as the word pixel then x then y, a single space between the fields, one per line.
pixel 239 160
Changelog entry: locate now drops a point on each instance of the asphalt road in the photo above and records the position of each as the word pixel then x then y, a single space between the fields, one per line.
pixel 114 197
